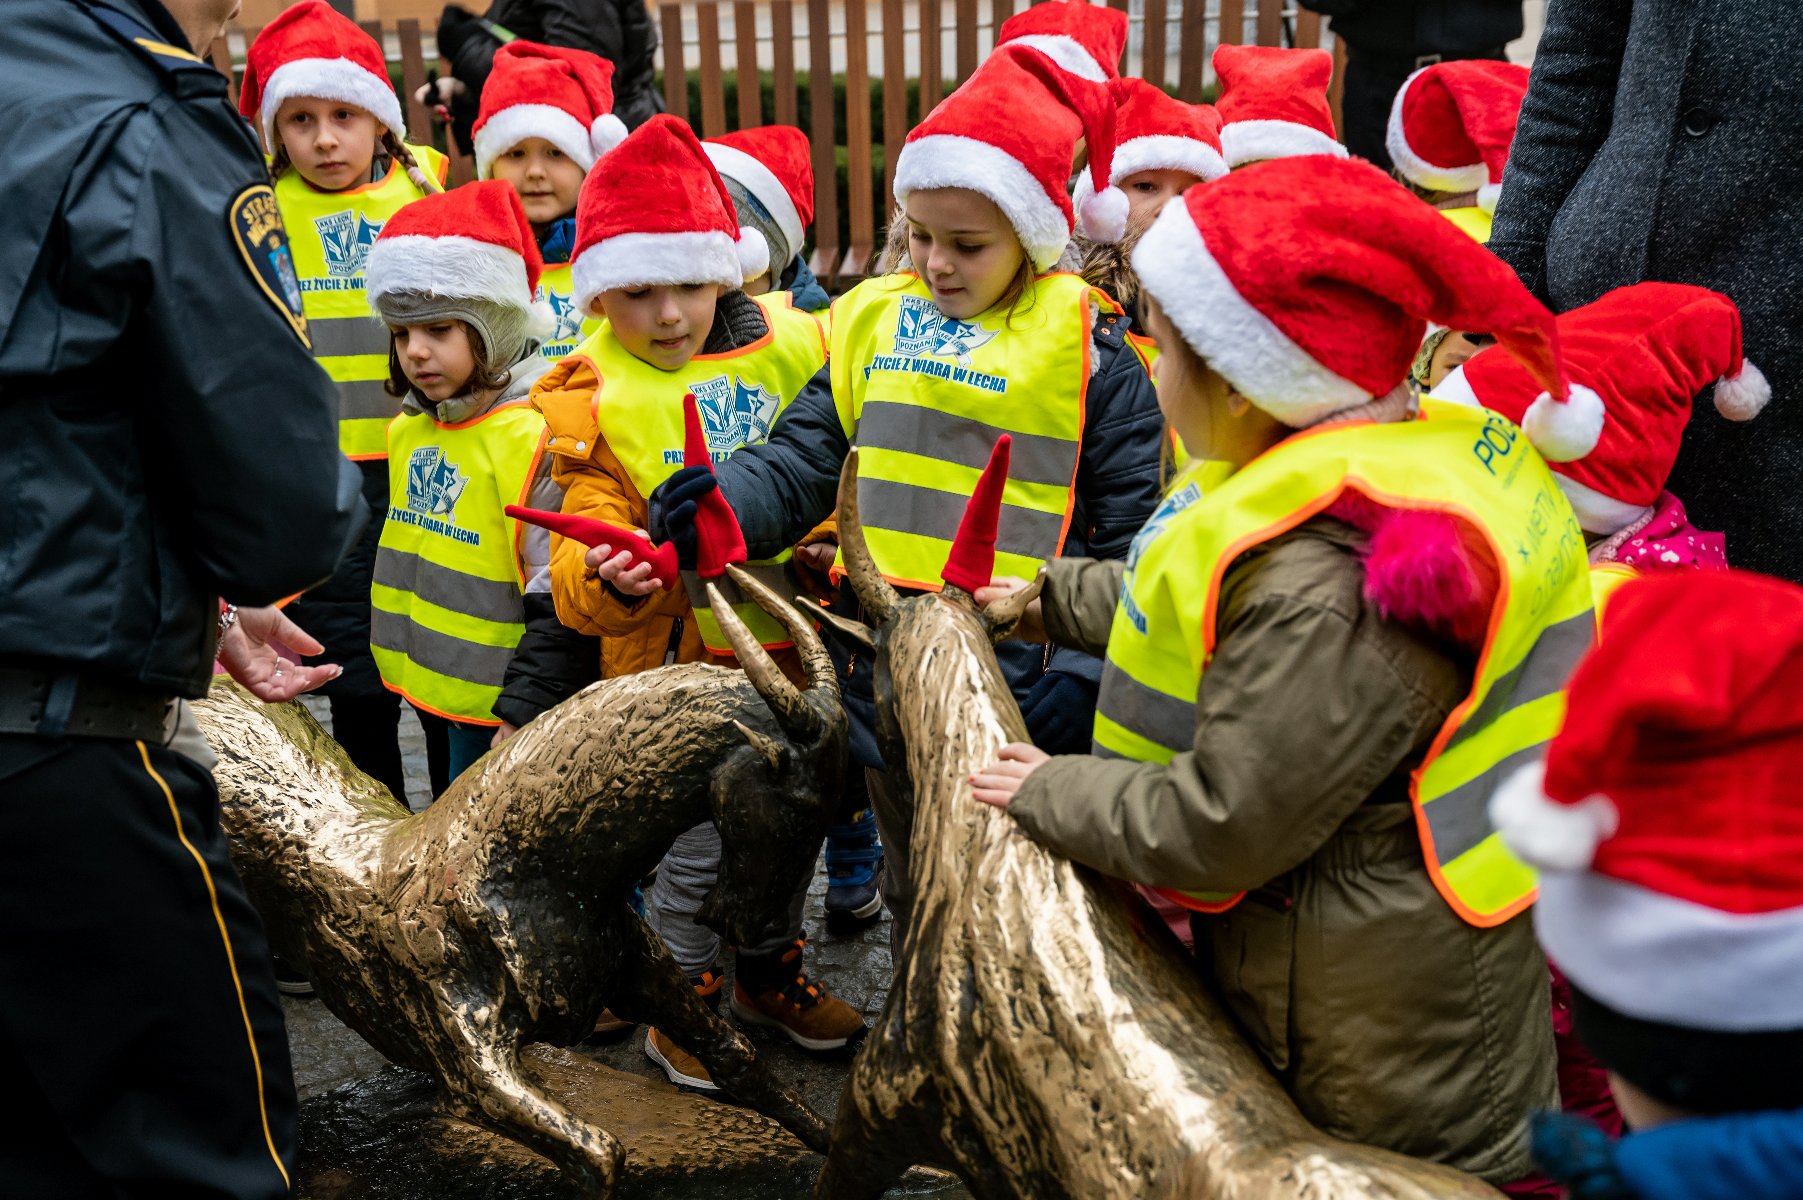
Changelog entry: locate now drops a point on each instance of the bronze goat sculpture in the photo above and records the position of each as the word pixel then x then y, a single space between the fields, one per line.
pixel 1037 1039
pixel 500 915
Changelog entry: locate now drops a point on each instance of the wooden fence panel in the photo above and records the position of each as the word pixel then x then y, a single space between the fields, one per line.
pixel 966 11
pixel 220 55
pixel 413 78
pixel 676 72
pixel 1270 22
pixel 931 89
pixel 782 71
pixel 1232 29
pixel 750 108
pixel 860 204
pixel 826 167
pixel 1003 10
pixel 713 85
pixel 895 89
pixel 1308 29
pixel 1151 59
pixel 1192 51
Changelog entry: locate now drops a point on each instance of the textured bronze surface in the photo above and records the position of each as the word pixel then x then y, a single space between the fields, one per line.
pixel 500 916
pixel 1039 1039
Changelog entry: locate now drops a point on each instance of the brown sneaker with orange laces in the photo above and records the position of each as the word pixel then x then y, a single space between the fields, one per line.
pixel 775 993
pixel 684 1069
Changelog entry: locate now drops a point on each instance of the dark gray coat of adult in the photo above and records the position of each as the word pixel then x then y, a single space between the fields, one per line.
pixel 1660 140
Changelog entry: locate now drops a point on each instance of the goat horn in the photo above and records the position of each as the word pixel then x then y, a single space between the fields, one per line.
pixel 857 631
pixel 785 700
pixel 774 752
pixel 816 663
pixel 971 563
pixel 1005 614
pixel 873 591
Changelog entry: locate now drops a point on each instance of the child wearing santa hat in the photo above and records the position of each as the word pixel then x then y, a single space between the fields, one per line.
pixel 1273 103
pixel 546 116
pixel 1314 668
pixel 769 172
pixel 453 277
pixel 1647 350
pixel 660 258
pixel 1085 39
pixel 930 366
pixel 1666 827
pixel 317 87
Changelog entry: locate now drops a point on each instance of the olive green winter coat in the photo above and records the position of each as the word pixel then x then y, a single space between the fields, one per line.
pixel 1388 1018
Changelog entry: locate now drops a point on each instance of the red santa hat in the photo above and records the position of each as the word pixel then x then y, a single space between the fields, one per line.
pixel 472 242
pixel 1665 820
pixel 1085 39
pixel 774 163
pixel 1451 125
pixel 1155 131
pixel 1308 283
pixel 563 96
pixel 1273 103
pixel 1646 349
pixel 653 210
pixel 1010 133
pixel 313 50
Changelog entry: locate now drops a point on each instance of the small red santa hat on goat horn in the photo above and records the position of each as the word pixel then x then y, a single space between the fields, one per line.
pixel 653 211
pixel 1273 103
pixel 1085 39
pixel 971 563
pixel 1647 349
pixel 1009 133
pixel 1155 131
pixel 562 95
pixel 1451 125
pixel 1310 307
pixel 775 164
pixel 311 49
pixel 1665 820
pixel 472 242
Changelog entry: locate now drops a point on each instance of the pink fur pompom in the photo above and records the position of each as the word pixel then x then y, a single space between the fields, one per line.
pixel 1422 571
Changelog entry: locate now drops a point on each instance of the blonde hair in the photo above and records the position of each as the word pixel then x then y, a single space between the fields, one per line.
pixel 391 145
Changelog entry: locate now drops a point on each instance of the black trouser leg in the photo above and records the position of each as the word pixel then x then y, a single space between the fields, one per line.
pixel 138 1013
pixel 1365 109
pixel 438 749
pixel 369 729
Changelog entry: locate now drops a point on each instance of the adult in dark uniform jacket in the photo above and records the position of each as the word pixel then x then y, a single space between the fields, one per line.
pixel 168 441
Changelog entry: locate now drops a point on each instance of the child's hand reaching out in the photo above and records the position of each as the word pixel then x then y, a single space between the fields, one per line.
pixel 617 569
pixel 996 784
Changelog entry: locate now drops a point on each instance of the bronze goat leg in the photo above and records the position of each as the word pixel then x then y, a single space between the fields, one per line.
pixel 885 1122
pixel 657 992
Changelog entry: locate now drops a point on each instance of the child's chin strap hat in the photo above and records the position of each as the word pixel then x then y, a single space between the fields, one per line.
pixel 1085 39
pixel 1155 131
pixel 1308 283
pixel 1010 134
pixel 1273 103
pixel 1665 820
pixel 1647 350
pixel 563 96
pixel 313 50
pixel 654 211
pixel 1451 125
pixel 470 244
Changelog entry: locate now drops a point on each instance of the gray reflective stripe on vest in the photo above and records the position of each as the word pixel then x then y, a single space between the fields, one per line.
pixel 471 595
pixel 774 576
pixel 1145 711
pixel 366 399
pixel 440 653
pixel 1545 669
pixel 1460 819
pixel 334 337
pixel 904 508
pixel 1033 457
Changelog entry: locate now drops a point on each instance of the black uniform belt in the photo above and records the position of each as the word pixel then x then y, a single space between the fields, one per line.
pixel 52 703
pixel 1403 65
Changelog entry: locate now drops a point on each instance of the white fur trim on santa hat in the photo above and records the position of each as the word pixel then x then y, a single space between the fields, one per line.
pixel 1544 833
pixel 1245 142
pixel 1418 170
pixel 1597 513
pixel 511 126
pixel 949 160
pixel 329 79
pixel 761 182
pixel 1742 395
pixel 1564 431
pixel 1157 152
pixel 458 267
pixel 1488 195
pixel 1066 51
pixel 1176 268
pixel 1658 958
pixel 647 259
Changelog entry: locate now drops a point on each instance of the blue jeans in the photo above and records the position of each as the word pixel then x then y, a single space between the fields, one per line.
pixel 467 744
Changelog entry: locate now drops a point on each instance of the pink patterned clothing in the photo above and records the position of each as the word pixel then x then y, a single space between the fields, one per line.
pixel 1663 539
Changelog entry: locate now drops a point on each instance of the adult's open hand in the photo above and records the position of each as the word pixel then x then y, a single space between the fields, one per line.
pixel 252 653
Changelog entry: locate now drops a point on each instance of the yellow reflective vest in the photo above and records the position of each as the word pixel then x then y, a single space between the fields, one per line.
pixel 573 326
pixel 739 394
pixel 1605 578
pixel 1466 462
pixel 924 397
pixel 1472 220
pixel 447 608
pixel 331 233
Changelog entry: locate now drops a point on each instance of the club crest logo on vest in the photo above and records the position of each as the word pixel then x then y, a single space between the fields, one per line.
pixel 925 337
pixel 733 414
pixel 346 238
pixel 1172 504
pixel 567 315
pixel 434 485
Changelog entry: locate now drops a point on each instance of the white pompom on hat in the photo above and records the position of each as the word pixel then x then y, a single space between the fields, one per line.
pixel 562 95
pixel 313 50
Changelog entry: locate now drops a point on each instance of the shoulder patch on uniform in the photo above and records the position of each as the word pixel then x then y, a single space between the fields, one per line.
pixel 257 229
